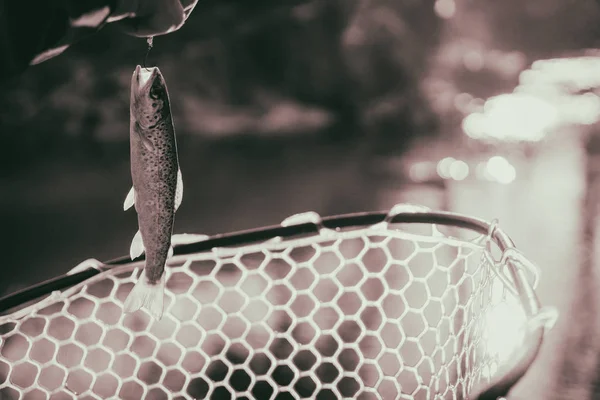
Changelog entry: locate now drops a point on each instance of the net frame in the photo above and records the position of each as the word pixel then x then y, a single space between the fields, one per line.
pixel 310 225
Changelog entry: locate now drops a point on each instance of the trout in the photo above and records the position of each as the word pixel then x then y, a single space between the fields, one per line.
pixel 157 186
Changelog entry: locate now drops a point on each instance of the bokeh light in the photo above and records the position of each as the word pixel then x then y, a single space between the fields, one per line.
pixel 501 170
pixel 445 8
pixel 512 117
pixel 458 170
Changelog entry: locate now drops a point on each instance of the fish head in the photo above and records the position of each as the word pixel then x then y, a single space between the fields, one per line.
pixel 149 97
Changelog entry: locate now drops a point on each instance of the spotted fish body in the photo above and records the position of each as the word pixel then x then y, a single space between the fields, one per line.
pixel 157 186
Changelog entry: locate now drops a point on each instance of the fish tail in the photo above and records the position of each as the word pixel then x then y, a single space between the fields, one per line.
pixel 147 295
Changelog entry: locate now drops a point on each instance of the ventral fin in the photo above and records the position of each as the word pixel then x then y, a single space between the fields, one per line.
pixel 129 200
pixel 137 246
pixel 178 190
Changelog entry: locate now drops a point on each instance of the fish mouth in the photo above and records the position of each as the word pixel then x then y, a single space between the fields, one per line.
pixel 144 76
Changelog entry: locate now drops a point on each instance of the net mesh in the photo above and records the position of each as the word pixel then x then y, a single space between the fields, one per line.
pixel 362 313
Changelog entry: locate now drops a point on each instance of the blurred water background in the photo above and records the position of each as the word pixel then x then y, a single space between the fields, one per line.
pixel 331 106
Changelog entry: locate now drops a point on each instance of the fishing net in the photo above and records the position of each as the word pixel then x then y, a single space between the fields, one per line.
pixel 366 306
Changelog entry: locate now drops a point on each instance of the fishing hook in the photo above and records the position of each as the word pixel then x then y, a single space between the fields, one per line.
pixel 149 40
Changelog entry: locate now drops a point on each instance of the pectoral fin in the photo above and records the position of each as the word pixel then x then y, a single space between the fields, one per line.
pixel 147 143
pixel 137 246
pixel 178 190
pixel 129 200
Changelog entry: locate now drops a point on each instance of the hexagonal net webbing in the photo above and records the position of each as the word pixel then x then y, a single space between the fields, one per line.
pixel 366 312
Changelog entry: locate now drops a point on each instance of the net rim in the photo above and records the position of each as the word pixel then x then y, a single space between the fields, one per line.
pixel 312 226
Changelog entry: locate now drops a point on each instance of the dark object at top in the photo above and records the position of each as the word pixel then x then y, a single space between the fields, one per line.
pixel 34 31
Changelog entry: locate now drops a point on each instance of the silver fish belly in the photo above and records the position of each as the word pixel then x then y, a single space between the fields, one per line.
pixel 157 186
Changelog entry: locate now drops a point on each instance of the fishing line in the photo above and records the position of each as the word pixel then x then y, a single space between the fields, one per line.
pixel 150 41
